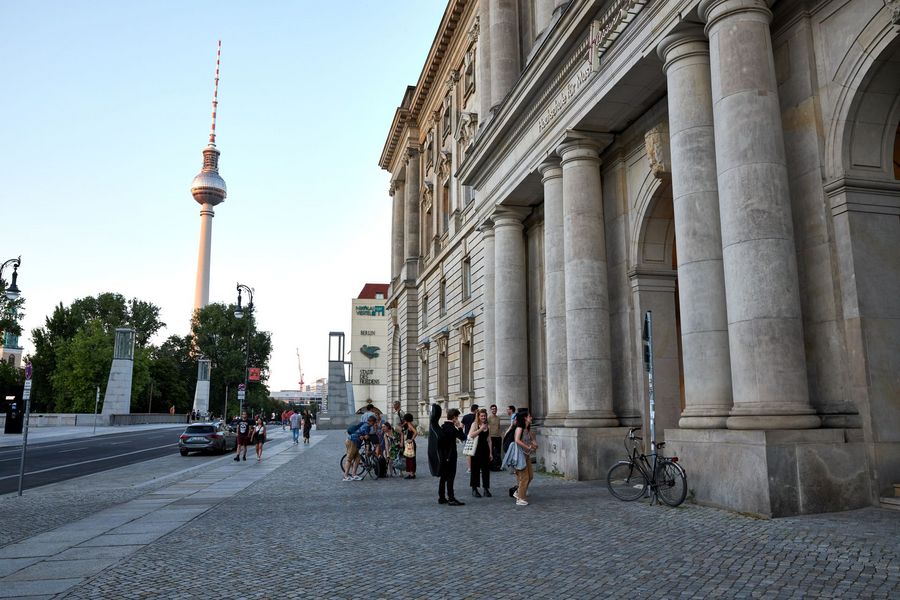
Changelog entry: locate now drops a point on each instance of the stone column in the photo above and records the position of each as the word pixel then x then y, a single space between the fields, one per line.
pixel 698 234
pixel 484 62
pixel 397 229
pixel 511 344
pixel 504 48
pixel 765 329
pixel 487 239
pixel 411 231
pixel 555 294
pixel 587 303
pixel 543 13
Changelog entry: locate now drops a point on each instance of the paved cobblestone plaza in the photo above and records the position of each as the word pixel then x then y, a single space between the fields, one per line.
pixel 302 532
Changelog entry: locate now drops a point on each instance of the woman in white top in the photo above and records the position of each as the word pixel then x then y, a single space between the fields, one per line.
pixel 259 436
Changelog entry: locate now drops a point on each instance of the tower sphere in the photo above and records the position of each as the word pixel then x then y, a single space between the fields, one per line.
pixel 208 186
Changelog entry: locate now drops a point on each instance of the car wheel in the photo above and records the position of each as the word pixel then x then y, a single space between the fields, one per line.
pixel 183 452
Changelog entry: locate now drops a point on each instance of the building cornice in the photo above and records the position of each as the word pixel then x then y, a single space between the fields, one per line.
pixel 439 46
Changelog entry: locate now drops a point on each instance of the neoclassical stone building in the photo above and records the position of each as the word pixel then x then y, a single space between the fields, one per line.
pixel 732 166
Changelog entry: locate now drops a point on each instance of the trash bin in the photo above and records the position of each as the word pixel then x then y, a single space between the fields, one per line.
pixel 15 415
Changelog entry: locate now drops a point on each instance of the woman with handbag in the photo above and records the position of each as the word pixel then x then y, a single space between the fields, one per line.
pixel 409 445
pixel 524 440
pixel 480 453
pixel 259 437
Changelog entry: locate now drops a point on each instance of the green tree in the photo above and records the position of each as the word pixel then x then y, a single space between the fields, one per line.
pixel 73 351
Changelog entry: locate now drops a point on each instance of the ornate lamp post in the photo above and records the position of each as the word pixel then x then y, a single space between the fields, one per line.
pixel 239 314
pixel 12 291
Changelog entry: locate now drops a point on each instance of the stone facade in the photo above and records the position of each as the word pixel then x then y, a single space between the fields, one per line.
pixel 560 168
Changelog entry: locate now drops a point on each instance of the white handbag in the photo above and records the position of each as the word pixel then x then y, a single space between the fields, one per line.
pixel 471 446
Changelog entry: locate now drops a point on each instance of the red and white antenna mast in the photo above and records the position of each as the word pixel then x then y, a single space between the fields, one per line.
pixel 215 102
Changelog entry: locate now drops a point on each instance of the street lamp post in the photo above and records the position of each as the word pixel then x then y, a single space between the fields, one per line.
pixel 12 291
pixel 239 314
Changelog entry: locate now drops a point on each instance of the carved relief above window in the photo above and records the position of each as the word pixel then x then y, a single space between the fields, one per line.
pixel 429 149
pixel 656 144
pixel 445 165
pixel 468 75
pixel 468 125
pixel 427 196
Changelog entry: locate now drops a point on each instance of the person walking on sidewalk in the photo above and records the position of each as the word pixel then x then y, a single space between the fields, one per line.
pixel 307 425
pixel 409 445
pixel 481 460
pixel 295 427
pixel 259 436
pixel 451 431
pixel 493 421
pixel 243 436
pixel 524 440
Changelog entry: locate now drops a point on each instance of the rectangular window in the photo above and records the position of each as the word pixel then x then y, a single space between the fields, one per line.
pixel 443 297
pixel 466 359
pixel 423 375
pixel 424 312
pixel 466 278
pixel 442 372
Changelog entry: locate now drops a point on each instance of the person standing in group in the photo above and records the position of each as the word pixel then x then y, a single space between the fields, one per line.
pixel 409 445
pixel 295 427
pixel 451 431
pixel 259 437
pixel 481 460
pixel 467 425
pixel 524 439
pixel 493 421
pixel 369 412
pixel 510 431
pixel 243 436
pixel 307 426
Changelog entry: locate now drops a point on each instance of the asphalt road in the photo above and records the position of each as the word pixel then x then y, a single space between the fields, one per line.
pixel 50 462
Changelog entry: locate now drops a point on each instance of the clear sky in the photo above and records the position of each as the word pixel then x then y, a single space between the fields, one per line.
pixel 104 112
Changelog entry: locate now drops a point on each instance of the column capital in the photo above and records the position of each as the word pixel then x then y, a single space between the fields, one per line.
pixel 509 216
pixel 486 227
pixel 550 169
pixel 582 145
pixel 713 11
pixel 683 44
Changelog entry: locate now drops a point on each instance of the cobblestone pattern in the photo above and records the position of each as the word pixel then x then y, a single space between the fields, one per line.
pixel 390 538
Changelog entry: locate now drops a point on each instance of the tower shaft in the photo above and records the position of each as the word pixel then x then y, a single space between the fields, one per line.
pixel 204 255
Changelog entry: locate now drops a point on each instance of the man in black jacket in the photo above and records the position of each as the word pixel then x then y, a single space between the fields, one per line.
pixel 451 431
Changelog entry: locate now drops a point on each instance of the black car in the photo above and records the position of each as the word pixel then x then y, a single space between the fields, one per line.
pixel 214 437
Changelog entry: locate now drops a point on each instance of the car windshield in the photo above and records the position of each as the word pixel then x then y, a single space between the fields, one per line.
pixel 200 429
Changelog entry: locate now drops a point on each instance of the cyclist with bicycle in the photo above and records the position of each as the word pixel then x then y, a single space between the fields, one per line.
pixel 367 433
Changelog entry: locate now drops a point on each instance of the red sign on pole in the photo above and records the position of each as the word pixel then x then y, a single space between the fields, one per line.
pixel 253 374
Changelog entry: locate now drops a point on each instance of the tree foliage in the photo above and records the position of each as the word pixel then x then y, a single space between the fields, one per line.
pixel 74 349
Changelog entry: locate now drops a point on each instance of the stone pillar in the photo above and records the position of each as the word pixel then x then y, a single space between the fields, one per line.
pixel 587 303
pixel 555 294
pixel 698 235
pixel 543 13
pixel 483 63
pixel 487 237
pixel 504 48
pixel 397 229
pixel 411 230
pixel 765 330
pixel 510 326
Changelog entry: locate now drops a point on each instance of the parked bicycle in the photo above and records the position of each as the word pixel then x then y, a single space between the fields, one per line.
pixel 630 479
pixel 367 465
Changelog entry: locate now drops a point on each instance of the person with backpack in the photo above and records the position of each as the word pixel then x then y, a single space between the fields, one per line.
pixel 243 428
pixel 409 445
pixel 352 445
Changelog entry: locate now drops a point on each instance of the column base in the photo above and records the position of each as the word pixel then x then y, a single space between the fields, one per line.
pixel 554 420
pixel 704 418
pixel 581 453
pixel 773 473
pixel 591 418
pixel 793 421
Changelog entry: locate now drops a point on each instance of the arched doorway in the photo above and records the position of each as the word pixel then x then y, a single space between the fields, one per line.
pixel 654 286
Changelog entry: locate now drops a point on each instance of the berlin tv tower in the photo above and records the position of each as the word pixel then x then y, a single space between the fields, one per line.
pixel 208 189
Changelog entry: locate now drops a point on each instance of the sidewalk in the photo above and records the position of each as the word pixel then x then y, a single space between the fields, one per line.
pixel 37 435
pixel 289 528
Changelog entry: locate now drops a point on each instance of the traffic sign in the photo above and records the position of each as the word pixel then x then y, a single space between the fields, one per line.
pixel 26 391
pixel 28 372
pixel 241 394
pixel 242 387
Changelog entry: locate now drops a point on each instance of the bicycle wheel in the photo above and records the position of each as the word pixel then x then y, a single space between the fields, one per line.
pixel 626 481
pixel 358 471
pixel 671 483
pixel 371 466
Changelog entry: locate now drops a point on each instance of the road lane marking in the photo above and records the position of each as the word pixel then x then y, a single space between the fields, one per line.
pixel 72 450
pixel 84 462
pixel 85 438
